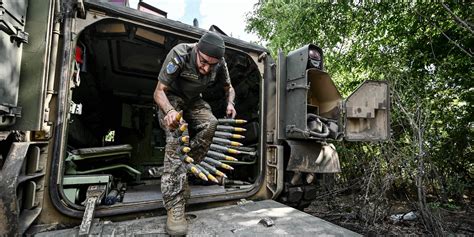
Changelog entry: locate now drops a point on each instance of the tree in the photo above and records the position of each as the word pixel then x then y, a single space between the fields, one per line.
pixel 426 53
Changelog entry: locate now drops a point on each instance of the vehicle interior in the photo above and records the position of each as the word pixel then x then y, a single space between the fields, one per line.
pixel 114 136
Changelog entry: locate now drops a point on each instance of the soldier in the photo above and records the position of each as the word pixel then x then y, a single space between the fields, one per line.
pixel 186 72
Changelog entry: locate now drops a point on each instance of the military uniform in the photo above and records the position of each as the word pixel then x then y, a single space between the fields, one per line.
pixel 185 85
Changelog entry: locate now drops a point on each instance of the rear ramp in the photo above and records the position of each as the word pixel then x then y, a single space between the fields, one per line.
pixel 236 220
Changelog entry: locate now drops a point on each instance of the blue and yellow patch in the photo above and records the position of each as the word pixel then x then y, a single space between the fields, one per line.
pixel 173 65
pixel 171 68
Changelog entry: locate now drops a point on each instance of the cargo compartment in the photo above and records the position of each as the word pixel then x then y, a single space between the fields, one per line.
pixel 114 136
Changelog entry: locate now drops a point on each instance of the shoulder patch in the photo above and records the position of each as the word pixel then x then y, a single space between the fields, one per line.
pixel 171 68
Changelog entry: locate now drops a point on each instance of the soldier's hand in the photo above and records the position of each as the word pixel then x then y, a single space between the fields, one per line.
pixel 171 120
pixel 230 112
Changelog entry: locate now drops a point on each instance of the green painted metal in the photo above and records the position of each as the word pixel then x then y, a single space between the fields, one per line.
pixel 127 168
pixel 91 156
pixel 71 194
pixel 244 219
pixel 12 24
pixel 35 59
pixel 86 179
pixel 72 184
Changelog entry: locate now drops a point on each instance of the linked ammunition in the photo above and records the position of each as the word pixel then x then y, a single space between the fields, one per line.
pixel 202 169
pixel 186 158
pixel 220 156
pixel 220 148
pixel 196 171
pixel 230 128
pixel 244 150
pixel 217 163
pixel 183 139
pixel 179 116
pixel 212 169
pixel 231 121
pixel 182 127
pixel 233 150
pixel 184 150
pixel 228 135
pixel 250 153
pixel 226 141
pixel 208 175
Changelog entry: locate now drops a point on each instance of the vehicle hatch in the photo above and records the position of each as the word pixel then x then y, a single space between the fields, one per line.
pixel 12 37
pixel 367 112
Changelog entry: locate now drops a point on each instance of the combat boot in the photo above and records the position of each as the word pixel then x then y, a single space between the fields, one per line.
pixel 176 223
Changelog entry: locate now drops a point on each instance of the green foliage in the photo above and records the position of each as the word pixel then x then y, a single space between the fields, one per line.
pixel 449 206
pixel 426 53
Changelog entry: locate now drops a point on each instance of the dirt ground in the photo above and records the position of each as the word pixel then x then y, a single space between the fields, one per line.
pixel 369 220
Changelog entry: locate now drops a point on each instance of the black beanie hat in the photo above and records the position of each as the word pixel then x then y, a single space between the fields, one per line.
pixel 212 44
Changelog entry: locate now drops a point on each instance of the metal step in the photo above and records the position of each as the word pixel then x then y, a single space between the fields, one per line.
pixel 236 220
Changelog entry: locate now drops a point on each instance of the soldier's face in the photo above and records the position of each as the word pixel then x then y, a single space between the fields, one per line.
pixel 205 63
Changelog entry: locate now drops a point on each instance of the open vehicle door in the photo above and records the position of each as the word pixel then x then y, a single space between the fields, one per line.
pixel 311 112
pixel 310 106
pixel 367 112
pixel 12 37
pixel 25 62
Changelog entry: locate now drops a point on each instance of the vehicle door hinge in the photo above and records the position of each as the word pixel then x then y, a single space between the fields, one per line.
pixel 274 169
pixel 262 56
pixel 270 136
pixel 8 110
pixel 16 34
pixel 20 37
pixel 81 11
pixel 76 77
pixel 294 86
pixel 75 108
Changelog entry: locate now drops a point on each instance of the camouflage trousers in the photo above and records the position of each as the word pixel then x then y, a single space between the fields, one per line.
pixel 201 127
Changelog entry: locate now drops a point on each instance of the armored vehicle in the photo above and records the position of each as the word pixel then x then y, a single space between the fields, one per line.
pixel 79 136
